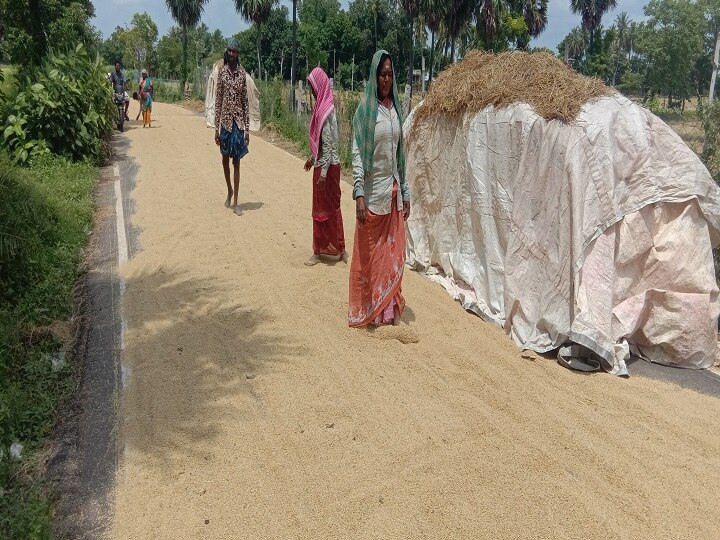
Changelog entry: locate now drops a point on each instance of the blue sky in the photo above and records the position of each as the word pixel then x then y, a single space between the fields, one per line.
pixel 221 14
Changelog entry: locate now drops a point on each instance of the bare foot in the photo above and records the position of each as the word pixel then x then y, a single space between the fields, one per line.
pixel 312 261
pixel 396 316
pixel 238 211
pixel 344 257
pixel 227 201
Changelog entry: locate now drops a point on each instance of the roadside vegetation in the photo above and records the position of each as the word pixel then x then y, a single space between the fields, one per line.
pixel 56 116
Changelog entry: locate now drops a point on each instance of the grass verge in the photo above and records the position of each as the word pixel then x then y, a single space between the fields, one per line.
pixel 277 117
pixel 45 217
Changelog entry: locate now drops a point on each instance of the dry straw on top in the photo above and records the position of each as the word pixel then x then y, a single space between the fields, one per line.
pixel 554 90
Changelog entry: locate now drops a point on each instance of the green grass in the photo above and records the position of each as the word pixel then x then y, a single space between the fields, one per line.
pixel 45 216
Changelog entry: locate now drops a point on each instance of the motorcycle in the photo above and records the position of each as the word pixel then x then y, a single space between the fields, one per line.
pixel 120 103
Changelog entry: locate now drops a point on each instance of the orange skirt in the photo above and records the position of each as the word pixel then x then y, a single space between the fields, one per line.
pixel 377 266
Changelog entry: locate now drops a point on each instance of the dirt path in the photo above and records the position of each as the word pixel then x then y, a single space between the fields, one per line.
pixel 252 411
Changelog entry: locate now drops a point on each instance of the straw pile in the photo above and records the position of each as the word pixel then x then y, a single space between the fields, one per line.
pixel 554 90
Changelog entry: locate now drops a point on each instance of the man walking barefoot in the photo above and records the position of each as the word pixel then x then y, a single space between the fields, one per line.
pixel 232 121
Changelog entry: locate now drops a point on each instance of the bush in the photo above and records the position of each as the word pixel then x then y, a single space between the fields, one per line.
pixel 167 92
pixel 45 216
pixel 64 106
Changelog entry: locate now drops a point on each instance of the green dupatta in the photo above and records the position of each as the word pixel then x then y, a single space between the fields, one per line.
pixel 366 117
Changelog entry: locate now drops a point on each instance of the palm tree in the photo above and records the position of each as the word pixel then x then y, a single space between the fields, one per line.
pixel 373 6
pixel 591 13
pixel 257 12
pixel 187 14
pixel 412 8
pixel 621 44
pixel 535 14
pixel 487 15
pixel 622 27
pixel 434 12
pixel 574 44
pixel 460 13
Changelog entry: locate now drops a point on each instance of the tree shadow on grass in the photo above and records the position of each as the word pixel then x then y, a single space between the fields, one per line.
pixel 193 366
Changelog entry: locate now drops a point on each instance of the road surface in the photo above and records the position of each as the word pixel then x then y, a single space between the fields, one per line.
pixel 249 409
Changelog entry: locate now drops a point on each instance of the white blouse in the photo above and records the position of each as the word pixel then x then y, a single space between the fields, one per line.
pixel 377 186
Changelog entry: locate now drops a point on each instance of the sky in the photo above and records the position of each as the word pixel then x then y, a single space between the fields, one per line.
pixel 221 14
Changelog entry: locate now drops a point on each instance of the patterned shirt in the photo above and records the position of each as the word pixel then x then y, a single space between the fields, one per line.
pixel 231 99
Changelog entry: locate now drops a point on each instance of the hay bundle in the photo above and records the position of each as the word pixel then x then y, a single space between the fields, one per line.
pixel 554 90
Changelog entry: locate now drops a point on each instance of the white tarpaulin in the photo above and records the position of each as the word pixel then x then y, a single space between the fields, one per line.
pixel 597 233
pixel 253 98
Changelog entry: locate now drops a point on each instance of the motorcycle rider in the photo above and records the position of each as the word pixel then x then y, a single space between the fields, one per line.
pixel 120 86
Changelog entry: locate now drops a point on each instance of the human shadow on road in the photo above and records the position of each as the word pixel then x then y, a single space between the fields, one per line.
pixel 250 206
pixel 194 365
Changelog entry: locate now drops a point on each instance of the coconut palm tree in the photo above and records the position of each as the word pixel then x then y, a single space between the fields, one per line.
pixel 574 44
pixel 621 43
pixel 412 8
pixel 434 11
pixel 534 12
pixel 622 29
pixel 591 13
pixel 186 13
pixel 373 6
pixel 256 12
pixel 488 13
pixel 460 13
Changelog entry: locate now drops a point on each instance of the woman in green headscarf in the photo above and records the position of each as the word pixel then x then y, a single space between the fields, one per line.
pixel 382 200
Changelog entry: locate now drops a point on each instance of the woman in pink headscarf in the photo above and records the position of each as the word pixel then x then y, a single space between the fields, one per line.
pixel 328 234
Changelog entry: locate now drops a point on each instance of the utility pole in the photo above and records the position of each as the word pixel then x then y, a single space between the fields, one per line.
pixel 293 68
pixel 334 63
pixel 352 75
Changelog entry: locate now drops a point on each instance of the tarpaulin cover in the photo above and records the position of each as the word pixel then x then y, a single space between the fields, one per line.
pixel 597 233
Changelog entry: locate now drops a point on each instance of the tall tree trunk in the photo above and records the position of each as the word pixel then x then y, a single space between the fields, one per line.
pixel 432 54
pixel 183 72
pixel 376 28
pixel 445 52
pixel 37 30
pixel 257 27
pixel 412 56
pixel 452 51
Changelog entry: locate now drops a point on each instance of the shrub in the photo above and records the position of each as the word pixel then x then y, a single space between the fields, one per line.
pixel 63 106
pixel 167 92
pixel 45 215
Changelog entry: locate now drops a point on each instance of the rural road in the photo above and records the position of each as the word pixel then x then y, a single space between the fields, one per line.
pixel 250 410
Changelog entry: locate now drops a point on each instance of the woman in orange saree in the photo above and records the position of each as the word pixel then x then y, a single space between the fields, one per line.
pixel 382 200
